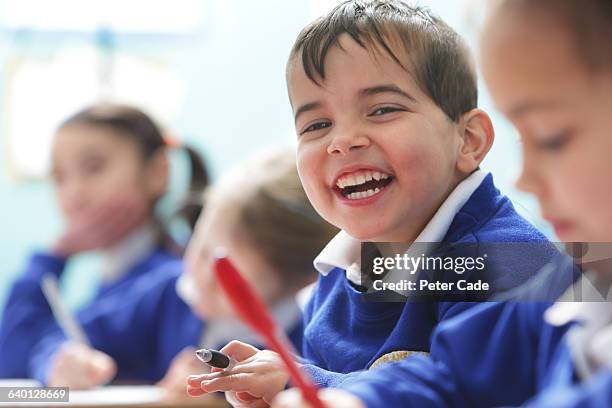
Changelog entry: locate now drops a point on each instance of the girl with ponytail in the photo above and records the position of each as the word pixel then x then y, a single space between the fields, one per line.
pixel 109 169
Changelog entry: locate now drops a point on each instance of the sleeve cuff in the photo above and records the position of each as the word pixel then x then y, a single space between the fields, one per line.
pixel 42 263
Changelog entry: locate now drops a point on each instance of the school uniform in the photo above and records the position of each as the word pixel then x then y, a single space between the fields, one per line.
pixel 527 353
pixel 27 314
pixel 344 333
pixel 143 333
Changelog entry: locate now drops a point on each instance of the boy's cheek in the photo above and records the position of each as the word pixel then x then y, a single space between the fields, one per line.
pixel 311 169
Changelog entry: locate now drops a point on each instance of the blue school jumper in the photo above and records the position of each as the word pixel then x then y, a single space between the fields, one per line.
pixel 27 315
pixel 345 333
pixel 142 332
pixel 496 354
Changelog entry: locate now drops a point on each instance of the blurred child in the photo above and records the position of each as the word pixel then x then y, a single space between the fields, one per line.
pixel 548 65
pixel 390 140
pixel 261 215
pixel 109 168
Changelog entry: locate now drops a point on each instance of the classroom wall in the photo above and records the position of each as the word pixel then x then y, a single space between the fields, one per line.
pixel 235 103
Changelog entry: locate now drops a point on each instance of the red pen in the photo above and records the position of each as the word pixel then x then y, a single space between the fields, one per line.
pixel 254 313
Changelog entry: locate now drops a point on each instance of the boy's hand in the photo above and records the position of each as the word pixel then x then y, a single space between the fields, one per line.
pixel 254 381
pixel 183 365
pixel 80 367
pixel 332 398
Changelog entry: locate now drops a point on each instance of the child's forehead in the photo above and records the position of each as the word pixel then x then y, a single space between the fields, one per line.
pixel 367 64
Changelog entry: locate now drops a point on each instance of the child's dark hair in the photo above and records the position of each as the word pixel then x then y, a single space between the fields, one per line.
pixel 437 56
pixel 588 22
pixel 133 124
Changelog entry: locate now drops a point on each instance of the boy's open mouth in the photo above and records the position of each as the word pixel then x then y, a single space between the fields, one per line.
pixel 362 184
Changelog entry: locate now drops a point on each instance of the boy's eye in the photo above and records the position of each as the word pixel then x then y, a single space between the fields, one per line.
pixel 94 166
pixel 554 143
pixel 383 110
pixel 316 126
pixel 57 177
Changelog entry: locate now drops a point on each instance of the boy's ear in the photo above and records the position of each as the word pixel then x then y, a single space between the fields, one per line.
pixel 477 138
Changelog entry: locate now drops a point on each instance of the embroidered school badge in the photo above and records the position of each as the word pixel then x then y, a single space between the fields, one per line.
pixel 396 356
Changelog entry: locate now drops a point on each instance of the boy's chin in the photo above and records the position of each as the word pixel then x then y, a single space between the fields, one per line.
pixel 363 233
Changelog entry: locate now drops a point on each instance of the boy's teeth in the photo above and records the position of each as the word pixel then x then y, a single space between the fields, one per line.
pixel 363 194
pixel 356 179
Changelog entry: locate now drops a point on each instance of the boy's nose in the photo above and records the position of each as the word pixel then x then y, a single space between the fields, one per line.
pixel 345 142
pixel 529 180
pixel 74 196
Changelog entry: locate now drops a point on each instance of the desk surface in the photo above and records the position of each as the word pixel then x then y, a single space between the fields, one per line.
pixel 126 397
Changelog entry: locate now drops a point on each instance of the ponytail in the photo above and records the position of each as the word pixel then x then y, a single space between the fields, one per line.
pixel 193 203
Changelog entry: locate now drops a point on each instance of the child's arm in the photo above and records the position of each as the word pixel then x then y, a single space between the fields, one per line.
pixel 26 315
pixel 594 393
pixel 123 326
pixel 485 356
pixel 475 360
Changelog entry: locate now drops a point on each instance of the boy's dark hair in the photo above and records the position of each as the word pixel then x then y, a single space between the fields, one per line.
pixel 589 23
pixel 437 56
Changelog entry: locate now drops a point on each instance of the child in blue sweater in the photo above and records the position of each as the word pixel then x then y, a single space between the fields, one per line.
pixel 262 216
pixel 390 140
pixel 109 169
pixel 548 65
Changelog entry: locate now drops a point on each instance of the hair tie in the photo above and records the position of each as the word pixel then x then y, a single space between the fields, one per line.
pixel 171 141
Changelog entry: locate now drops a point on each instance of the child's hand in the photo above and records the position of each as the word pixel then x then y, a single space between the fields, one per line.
pixel 254 381
pixel 101 225
pixel 80 367
pixel 330 397
pixel 183 365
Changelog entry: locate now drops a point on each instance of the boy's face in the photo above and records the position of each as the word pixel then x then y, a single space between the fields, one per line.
pixel 563 114
pixel 216 228
pixel 376 156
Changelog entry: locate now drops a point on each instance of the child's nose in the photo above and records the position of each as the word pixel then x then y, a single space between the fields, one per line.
pixel 528 180
pixel 73 194
pixel 347 141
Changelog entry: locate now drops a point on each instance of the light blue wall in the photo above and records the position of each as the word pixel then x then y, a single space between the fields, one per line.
pixel 236 103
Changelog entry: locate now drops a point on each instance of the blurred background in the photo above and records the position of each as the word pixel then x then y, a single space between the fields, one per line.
pixel 210 71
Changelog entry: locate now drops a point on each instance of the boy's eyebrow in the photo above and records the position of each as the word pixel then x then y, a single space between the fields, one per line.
pixel 526 107
pixel 387 88
pixel 305 108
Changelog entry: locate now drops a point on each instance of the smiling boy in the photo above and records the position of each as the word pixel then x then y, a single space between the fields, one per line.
pixel 390 140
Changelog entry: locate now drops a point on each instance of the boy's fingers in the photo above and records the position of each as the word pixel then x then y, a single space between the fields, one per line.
pixel 196 380
pixel 245 397
pixel 233 382
pixel 253 402
pixel 194 391
pixel 240 368
pixel 239 351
